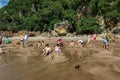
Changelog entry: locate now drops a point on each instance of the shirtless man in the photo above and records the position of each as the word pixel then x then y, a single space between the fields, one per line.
pixel 46 50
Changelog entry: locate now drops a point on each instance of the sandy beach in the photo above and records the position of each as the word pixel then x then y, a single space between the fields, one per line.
pixel 75 63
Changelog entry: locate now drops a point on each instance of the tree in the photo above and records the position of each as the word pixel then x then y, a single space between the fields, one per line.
pixel 87 25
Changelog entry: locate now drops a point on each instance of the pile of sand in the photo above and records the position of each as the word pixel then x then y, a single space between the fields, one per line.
pixel 56 57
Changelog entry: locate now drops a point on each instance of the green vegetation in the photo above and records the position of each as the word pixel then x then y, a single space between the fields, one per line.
pixel 88 25
pixel 41 15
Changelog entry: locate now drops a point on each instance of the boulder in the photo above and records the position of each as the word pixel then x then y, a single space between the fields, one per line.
pixel 116 30
pixel 62 28
pixel 54 33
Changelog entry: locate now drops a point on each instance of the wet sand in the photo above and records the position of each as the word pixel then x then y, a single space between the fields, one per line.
pixel 84 63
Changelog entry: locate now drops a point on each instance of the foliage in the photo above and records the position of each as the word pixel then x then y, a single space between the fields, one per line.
pixel 87 25
pixel 34 15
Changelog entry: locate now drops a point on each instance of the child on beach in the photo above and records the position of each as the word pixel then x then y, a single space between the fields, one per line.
pixel 46 50
pixel 57 48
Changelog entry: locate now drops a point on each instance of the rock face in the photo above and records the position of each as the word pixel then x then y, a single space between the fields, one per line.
pixel 101 21
pixel 116 30
pixel 54 33
pixel 62 28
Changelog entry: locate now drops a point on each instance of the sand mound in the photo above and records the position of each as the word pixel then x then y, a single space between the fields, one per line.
pixel 56 58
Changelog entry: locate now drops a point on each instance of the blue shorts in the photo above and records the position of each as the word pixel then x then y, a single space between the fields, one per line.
pixel 25 40
pixel 105 42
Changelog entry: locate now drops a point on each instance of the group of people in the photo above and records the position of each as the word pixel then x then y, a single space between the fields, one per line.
pixel 47 50
pixel 80 43
pixel 7 41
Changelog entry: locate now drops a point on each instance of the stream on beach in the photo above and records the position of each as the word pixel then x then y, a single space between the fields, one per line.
pixel 89 63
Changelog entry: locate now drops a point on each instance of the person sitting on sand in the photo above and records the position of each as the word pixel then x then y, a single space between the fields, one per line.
pixel 57 48
pixel 7 40
pixel 80 43
pixel 72 44
pixel 39 44
pixel 46 50
pixel 42 43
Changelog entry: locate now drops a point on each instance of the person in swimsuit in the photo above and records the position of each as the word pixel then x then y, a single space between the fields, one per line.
pixel 46 50
pixel 72 44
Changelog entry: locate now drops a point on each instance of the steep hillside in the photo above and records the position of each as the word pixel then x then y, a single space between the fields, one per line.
pixel 41 15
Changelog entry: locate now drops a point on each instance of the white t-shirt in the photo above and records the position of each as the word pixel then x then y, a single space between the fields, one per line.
pixel 80 41
pixel 26 36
